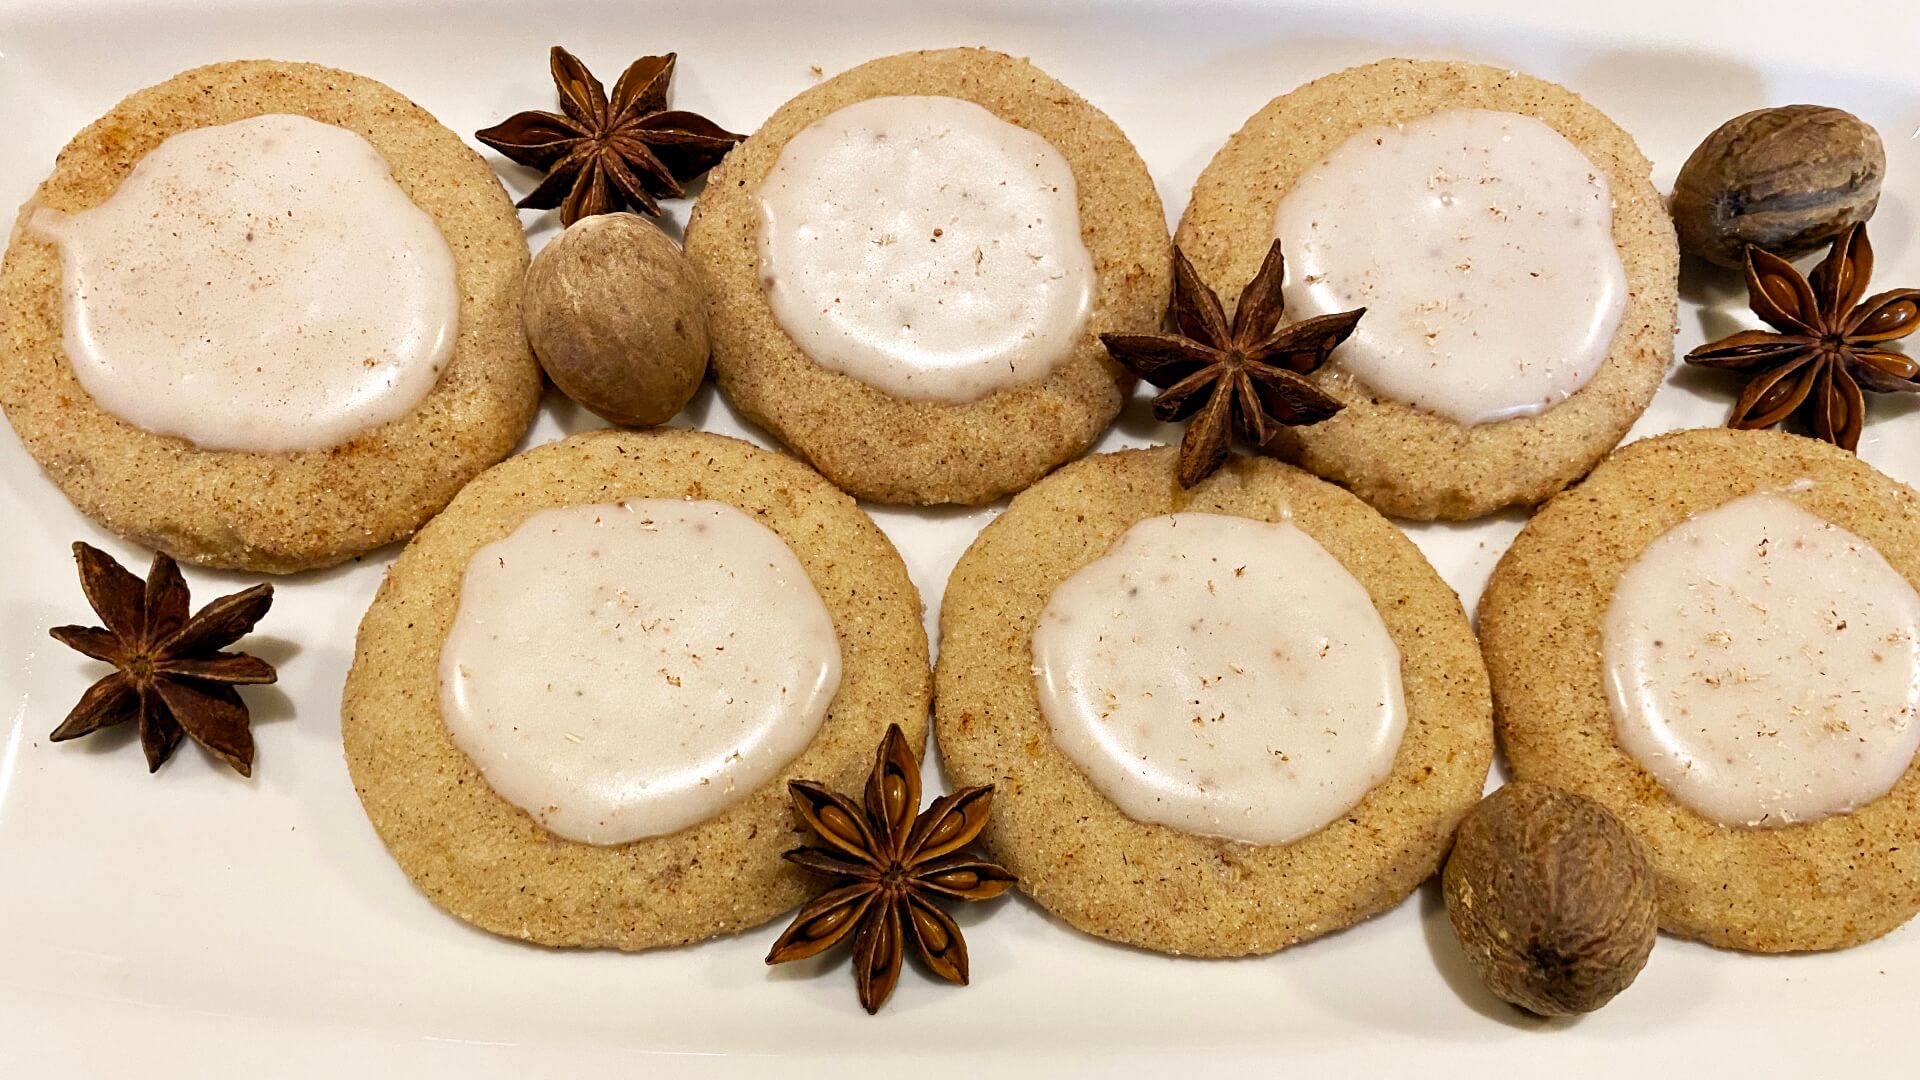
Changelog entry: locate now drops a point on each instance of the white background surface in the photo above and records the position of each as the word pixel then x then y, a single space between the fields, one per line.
pixel 194 924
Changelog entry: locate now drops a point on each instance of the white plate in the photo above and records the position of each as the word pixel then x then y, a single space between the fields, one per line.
pixel 194 924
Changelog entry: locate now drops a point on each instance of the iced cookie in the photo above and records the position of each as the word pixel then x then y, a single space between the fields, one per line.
pixel 1177 766
pixel 577 700
pixel 909 267
pixel 1518 270
pixel 1717 636
pixel 267 316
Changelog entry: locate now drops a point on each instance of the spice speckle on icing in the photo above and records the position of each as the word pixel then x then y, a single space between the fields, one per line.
pixel 259 286
pixel 630 669
pixel 925 247
pixel 1481 245
pixel 1251 691
pixel 1764 664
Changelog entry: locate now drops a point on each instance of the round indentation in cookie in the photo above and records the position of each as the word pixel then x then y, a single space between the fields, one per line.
pixel 1165 676
pixel 1764 665
pixel 983 430
pixel 1411 460
pixel 378 472
pixel 1076 850
pixel 1481 245
pixel 1553 640
pixel 487 860
pixel 262 286
pixel 623 670
pixel 925 247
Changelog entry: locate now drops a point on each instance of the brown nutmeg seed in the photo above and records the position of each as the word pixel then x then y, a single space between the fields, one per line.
pixel 617 319
pixel 1786 180
pixel 1552 899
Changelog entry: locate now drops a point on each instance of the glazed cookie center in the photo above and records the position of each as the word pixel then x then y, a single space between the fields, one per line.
pixel 1481 245
pixel 1222 676
pixel 627 670
pixel 925 247
pixel 1763 665
pixel 258 286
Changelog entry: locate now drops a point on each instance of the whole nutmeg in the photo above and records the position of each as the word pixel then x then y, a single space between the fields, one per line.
pixel 617 317
pixel 1552 899
pixel 1787 180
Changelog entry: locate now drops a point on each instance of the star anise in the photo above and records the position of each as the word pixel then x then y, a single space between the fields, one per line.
pixel 600 155
pixel 1248 378
pixel 171 675
pixel 888 868
pixel 1824 348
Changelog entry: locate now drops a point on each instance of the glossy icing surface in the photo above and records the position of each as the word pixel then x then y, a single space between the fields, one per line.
pixel 629 669
pixel 1222 676
pixel 1481 245
pixel 925 247
pixel 259 286
pixel 1764 664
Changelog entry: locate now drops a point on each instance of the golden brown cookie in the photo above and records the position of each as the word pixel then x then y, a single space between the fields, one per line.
pixel 1404 461
pixel 1821 885
pixel 917 452
pixel 486 860
pixel 287 511
pixel 1151 885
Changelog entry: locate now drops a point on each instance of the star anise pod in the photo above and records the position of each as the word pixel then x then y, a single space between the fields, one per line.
pixel 1825 345
pixel 171 675
pixel 888 868
pixel 1247 378
pixel 601 155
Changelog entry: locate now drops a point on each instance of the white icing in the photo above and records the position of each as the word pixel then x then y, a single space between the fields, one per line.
pixel 630 669
pixel 925 247
pixel 1481 245
pixel 1223 676
pixel 1764 665
pixel 261 286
